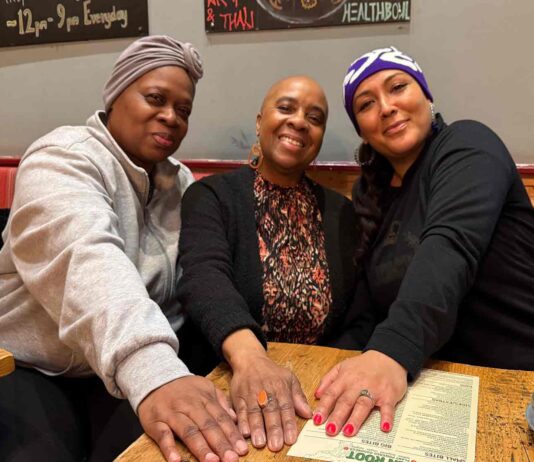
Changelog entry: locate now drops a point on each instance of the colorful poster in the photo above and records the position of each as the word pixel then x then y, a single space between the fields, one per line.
pixel 249 15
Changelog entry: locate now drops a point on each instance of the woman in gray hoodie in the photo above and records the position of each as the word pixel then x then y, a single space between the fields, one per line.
pixel 88 274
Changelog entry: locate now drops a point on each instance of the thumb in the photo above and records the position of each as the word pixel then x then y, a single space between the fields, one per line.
pixel 224 401
pixel 327 380
pixel 300 402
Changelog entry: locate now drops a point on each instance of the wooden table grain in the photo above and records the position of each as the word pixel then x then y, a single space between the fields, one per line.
pixel 7 363
pixel 502 431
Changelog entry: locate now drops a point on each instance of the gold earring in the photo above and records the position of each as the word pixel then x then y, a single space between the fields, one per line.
pixel 255 156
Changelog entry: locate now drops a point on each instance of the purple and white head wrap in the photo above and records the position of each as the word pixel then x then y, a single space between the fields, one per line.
pixel 376 61
pixel 146 54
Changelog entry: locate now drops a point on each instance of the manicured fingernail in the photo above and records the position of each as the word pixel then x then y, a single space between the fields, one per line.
pixel 242 447
pixel 275 444
pixel 331 428
pixel 230 456
pixel 317 418
pixel 348 430
pixel 291 437
pixel 210 457
pixel 258 440
pixel 174 457
pixel 386 426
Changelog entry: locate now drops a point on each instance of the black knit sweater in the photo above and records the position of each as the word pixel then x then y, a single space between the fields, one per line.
pixel 451 273
pixel 221 285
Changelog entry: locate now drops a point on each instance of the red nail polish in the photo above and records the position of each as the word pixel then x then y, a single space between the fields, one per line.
pixel 331 428
pixel 348 430
pixel 317 419
pixel 386 427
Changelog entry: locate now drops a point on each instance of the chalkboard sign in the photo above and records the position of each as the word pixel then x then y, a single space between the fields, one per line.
pixel 248 15
pixel 30 22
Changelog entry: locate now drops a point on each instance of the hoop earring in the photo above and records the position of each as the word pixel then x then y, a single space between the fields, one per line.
pixel 255 156
pixel 364 163
pixel 433 119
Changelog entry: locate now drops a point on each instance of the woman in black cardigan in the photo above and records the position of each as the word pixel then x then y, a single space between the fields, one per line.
pixel 267 256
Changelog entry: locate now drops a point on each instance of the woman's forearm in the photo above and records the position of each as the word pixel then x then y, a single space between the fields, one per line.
pixel 241 347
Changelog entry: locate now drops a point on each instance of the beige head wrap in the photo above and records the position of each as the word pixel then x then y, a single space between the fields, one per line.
pixel 146 54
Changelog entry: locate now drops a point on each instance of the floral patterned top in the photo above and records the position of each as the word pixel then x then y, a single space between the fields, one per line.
pixel 296 280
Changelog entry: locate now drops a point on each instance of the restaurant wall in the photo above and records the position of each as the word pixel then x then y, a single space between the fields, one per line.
pixel 476 55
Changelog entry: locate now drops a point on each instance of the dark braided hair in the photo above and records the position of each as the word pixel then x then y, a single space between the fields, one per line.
pixel 367 197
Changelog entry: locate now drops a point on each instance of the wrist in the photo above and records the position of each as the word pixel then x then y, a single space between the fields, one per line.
pixel 241 348
pixel 244 361
pixel 386 360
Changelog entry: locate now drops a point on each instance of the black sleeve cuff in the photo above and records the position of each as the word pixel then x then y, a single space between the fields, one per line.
pixel 218 331
pixel 398 348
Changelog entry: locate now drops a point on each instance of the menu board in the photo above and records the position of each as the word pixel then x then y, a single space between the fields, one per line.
pixel 249 15
pixel 31 22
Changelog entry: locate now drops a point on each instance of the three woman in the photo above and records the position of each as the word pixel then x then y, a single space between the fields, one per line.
pixel 444 250
pixel 445 244
pixel 88 275
pixel 267 255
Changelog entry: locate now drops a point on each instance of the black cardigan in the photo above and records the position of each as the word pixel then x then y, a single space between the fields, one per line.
pixel 221 285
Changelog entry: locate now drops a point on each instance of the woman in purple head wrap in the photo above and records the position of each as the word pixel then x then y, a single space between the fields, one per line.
pixel 444 248
pixel 88 276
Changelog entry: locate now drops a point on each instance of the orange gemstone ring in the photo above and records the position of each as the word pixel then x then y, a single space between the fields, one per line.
pixel 263 398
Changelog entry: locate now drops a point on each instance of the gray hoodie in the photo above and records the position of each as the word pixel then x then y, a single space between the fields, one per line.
pixel 88 269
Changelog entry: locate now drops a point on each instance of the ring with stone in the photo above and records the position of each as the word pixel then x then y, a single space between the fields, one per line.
pixel 367 394
pixel 263 399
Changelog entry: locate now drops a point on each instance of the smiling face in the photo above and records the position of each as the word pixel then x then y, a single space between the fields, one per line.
pixel 394 116
pixel 290 128
pixel 149 119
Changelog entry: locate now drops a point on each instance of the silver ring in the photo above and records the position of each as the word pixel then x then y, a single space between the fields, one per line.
pixel 367 394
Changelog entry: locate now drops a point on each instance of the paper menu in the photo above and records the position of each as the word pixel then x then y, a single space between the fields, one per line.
pixel 436 421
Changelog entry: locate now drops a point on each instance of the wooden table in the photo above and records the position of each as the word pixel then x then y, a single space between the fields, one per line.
pixel 7 363
pixel 502 430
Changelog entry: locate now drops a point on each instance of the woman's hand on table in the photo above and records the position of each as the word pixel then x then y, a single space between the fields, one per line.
pixel 350 390
pixel 275 423
pixel 199 414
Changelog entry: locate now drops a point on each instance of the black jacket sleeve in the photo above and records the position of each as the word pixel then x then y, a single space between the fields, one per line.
pixel 207 288
pixel 466 182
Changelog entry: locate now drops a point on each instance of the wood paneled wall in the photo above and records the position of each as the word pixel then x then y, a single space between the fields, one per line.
pixel 337 176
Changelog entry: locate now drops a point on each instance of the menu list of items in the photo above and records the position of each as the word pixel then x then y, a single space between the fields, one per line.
pixel 31 22
pixel 436 421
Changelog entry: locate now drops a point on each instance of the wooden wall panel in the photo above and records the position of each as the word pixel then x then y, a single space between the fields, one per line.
pixel 337 176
